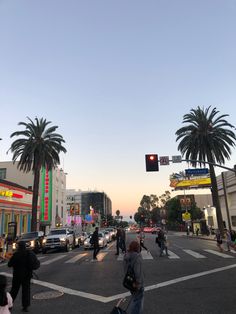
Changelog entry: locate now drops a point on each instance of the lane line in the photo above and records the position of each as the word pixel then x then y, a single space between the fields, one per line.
pixel 219 254
pixel 76 258
pixel 194 254
pixel 53 260
pixel 122 295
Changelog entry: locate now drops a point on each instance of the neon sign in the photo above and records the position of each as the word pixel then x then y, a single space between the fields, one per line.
pixel 46 202
pixel 8 193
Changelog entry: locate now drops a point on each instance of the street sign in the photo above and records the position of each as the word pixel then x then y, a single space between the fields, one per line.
pixel 196 172
pixel 164 160
pixel 186 216
pixel 176 158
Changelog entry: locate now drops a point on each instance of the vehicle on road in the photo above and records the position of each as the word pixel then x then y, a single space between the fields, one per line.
pixel 102 241
pixel 33 241
pixel 82 237
pixel 59 238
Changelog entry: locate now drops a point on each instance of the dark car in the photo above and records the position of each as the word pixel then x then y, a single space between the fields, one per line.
pixel 33 240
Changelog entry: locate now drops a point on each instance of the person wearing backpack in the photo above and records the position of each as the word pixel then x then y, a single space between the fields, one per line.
pixel 133 268
pixel 23 263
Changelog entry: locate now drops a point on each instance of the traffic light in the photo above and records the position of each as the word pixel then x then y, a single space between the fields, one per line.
pixel 152 162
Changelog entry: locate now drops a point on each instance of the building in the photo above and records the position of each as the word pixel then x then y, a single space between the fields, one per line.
pixel 15 206
pixel 52 189
pixel 82 204
pixel 226 183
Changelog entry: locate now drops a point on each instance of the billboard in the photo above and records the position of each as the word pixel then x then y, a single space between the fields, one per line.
pixel 180 181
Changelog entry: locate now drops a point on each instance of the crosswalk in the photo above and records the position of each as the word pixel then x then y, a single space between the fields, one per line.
pixel 107 255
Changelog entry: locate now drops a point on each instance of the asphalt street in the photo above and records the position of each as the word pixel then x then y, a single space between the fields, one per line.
pixel 195 278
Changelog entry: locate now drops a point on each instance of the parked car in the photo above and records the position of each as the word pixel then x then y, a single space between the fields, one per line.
pixel 33 240
pixel 102 241
pixel 59 238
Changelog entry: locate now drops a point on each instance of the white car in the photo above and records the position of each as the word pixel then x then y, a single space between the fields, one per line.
pixel 102 241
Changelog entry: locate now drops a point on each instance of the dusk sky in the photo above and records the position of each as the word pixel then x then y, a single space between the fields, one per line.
pixel 117 78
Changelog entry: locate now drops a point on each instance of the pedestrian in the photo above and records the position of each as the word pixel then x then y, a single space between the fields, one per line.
pixel 123 240
pixel 2 248
pixel 23 262
pixel 118 241
pixel 141 238
pixel 229 242
pixel 197 231
pixel 95 242
pixel 219 241
pixel 5 297
pixel 133 258
pixel 162 240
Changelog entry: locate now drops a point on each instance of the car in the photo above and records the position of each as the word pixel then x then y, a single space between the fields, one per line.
pixel 155 230
pixel 147 229
pixel 82 237
pixel 108 235
pixel 33 240
pixel 59 238
pixel 102 241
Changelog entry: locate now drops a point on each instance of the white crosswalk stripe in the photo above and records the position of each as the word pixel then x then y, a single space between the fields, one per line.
pixel 76 258
pixel 50 261
pixel 194 254
pixel 172 255
pixel 219 254
pixel 146 255
pixel 101 256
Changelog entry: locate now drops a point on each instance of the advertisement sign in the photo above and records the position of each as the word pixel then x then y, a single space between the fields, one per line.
pixel 46 199
pixel 196 171
pixel 183 183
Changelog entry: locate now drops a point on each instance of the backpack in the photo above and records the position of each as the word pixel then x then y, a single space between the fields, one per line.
pixel 129 279
pixel 33 262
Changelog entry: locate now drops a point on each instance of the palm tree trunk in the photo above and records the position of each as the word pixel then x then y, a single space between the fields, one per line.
pixel 215 198
pixel 35 199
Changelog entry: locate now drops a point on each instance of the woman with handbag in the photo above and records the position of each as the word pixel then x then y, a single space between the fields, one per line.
pixel 133 262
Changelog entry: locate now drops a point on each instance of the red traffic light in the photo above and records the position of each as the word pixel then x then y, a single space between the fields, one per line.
pixel 152 162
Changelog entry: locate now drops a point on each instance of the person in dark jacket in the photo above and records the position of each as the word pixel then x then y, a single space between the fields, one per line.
pixel 134 259
pixel 118 241
pixel 22 262
pixel 95 241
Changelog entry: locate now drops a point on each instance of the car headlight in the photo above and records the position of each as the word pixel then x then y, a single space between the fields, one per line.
pixel 14 246
pixel 100 241
pixel 44 241
pixel 63 240
pixel 32 243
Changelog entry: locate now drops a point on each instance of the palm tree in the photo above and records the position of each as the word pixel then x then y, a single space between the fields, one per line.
pixel 207 137
pixel 38 147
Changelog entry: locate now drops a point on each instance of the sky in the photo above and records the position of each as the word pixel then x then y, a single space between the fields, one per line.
pixel 116 77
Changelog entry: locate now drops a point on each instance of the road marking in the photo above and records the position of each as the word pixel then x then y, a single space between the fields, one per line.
pixel 76 258
pixel 194 254
pixel 120 257
pixel 219 254
pixel 100 256
pixel 41 257
pixel 102 299
pixel 172 255
pixel 146 255
pixel 53 260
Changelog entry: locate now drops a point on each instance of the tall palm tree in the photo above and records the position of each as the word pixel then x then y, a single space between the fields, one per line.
pixel 207 137
pixel 38 147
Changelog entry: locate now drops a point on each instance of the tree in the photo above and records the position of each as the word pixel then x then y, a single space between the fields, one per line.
pixel 38 147
pixel 207 137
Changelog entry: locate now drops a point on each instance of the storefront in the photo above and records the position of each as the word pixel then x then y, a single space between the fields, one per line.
pixel 15 206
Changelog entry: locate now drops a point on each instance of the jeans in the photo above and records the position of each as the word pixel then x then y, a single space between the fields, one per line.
pixel 136 304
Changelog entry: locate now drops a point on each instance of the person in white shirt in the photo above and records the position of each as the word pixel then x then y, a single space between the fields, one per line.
pixel 6 302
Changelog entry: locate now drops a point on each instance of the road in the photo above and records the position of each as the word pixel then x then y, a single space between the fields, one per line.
pixel 195 278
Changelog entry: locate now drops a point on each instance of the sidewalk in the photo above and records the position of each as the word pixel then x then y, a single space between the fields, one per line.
pixel 194 236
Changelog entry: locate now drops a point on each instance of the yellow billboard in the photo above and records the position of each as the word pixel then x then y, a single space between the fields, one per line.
pixel 182 183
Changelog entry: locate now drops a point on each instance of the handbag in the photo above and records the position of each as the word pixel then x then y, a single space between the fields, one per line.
pixel 118 310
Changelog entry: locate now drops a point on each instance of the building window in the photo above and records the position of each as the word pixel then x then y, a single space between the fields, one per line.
pixel 3 173
pixel 233 219
pixel 210 221
pixel 56 210
pixel 62 212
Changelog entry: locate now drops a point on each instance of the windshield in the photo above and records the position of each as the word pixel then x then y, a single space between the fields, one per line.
pixel 52 232
pixel 29 235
